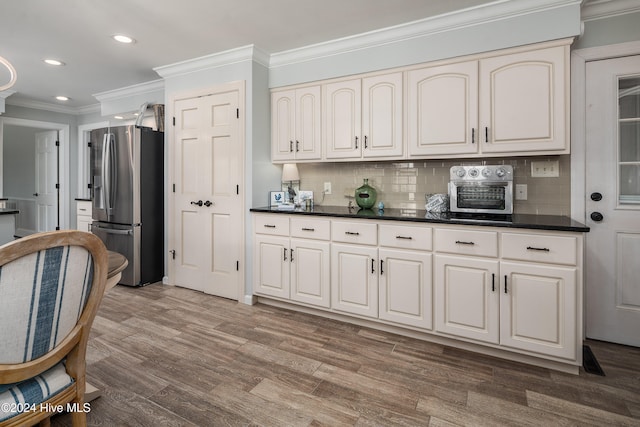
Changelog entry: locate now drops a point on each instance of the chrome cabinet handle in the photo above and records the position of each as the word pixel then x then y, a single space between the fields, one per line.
pixel 291 146
pixel 285 253
pixel 356 142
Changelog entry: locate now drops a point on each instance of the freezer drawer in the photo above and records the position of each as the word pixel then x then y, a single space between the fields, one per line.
pixel 125 240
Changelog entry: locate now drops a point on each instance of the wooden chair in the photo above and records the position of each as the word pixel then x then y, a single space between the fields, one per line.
pixel 51 285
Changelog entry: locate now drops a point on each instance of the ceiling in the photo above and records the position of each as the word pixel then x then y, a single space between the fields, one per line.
pixel 78 32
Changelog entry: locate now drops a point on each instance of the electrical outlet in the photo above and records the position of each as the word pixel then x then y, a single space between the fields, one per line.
pixel 327 188
pixel 521 191
pixel 545 169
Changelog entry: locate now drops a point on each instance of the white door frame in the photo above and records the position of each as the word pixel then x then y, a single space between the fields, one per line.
pixel 579 59
pixel 63 170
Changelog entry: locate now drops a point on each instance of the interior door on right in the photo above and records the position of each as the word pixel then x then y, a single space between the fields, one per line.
pixel 613 200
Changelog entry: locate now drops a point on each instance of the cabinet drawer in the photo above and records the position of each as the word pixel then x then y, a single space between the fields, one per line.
pixel 467 242
pixel 276 225
pixel 311 228
pixel 405 237
pixel 354 232
pixel 540 248
pixel 83 208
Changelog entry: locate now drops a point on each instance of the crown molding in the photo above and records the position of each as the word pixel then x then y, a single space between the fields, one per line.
pixel 221 59
pixel 38 105
pixel 482 14
pixel 128 91
pixel 599 9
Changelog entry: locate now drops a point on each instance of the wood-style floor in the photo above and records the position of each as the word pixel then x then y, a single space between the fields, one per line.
pixel 166 356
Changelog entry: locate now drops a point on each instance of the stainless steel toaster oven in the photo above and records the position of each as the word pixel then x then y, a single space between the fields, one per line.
pixel 481 189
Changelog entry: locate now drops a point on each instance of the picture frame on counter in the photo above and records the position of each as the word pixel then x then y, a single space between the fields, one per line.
pixel 276 198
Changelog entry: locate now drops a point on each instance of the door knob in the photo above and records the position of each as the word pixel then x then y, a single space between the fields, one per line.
pixel 596 216
pixel 198 203
pixel 596 197
pixel 208 203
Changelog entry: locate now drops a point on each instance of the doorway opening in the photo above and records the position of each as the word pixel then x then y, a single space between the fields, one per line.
pixel 23 182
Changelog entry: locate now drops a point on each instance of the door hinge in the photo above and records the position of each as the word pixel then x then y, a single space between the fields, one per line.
pixel 89 186
pixel 89 144
pixel 57 228
pixel 57 186
pixel 57 143
pixel 238 189
pixel 174 121
pixel 237 113
pixel 237 265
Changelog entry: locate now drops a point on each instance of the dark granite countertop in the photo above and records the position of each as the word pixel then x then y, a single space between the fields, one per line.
pixel 7 211
pixel 529 221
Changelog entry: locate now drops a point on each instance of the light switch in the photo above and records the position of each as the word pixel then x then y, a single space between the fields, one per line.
pixel 545 169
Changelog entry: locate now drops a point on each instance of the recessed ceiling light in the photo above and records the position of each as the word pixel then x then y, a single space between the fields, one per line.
pixel 123 39
pixel 54 62
pixel 118 117
pixel 62 98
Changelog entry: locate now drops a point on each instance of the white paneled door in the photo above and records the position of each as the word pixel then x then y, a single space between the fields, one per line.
pixel 208 209
pixel 46 191
pixel 613 200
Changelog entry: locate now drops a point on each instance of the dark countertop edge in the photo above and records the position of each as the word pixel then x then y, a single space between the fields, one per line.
pixel 80 199
pixel 5 211
pixel 529 221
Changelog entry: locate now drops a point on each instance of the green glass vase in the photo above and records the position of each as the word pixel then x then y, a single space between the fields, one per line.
pixel 366 195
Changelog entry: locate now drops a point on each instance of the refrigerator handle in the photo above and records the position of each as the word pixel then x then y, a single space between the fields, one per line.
pixel 112 230
pixel 110 178
pixel 103 172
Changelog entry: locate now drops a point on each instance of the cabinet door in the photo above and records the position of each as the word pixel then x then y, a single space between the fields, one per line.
pixel 538 309
pixel 310 280
pixel 354 279
pixel 405 287
pixel 84 223
pixel 271 266
pixel 443 109
pixel 524 101
pixel 307 144
pixel 283 119
pixel 467 297
pixel 342 119
pixel 382 119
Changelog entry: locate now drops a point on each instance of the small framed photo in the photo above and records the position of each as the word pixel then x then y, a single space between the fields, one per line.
pixel 305 195
pixel 276 198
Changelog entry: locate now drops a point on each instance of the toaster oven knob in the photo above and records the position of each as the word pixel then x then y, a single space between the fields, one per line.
pixel 501 172
pixel 460 173
pixel 486 173
pixel 473 173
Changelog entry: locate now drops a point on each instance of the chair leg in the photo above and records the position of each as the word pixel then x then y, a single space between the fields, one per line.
pixel 78 419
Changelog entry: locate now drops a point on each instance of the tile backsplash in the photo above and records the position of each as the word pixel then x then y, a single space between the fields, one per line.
pixel 404 184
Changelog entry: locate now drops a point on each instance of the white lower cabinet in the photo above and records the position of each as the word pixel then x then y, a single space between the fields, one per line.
pixel 467 298
pixel 83 212
pixel 517 292
pixel 538 308
pixel 292 268
pixel 405 287
pixel 354 279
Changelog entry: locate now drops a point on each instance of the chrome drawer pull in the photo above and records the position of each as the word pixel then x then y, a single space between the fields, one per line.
pixel 350 233
pixel 460 242
pixel 531 248
pixel 269 226
pixel 308 229
pixel 404 237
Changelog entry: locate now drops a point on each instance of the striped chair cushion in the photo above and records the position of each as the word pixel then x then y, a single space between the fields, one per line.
pixel 28 394
pixel 42 295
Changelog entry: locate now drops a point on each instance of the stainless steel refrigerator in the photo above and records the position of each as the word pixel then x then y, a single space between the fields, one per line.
pixel 127 174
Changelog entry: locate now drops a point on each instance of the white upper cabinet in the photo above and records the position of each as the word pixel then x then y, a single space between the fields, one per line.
pixel 511 104
pixel 296 124
pixel 363 118
pixel 524 102
pixel 443 110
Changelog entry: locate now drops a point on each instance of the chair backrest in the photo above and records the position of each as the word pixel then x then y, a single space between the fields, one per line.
pixel 45 282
